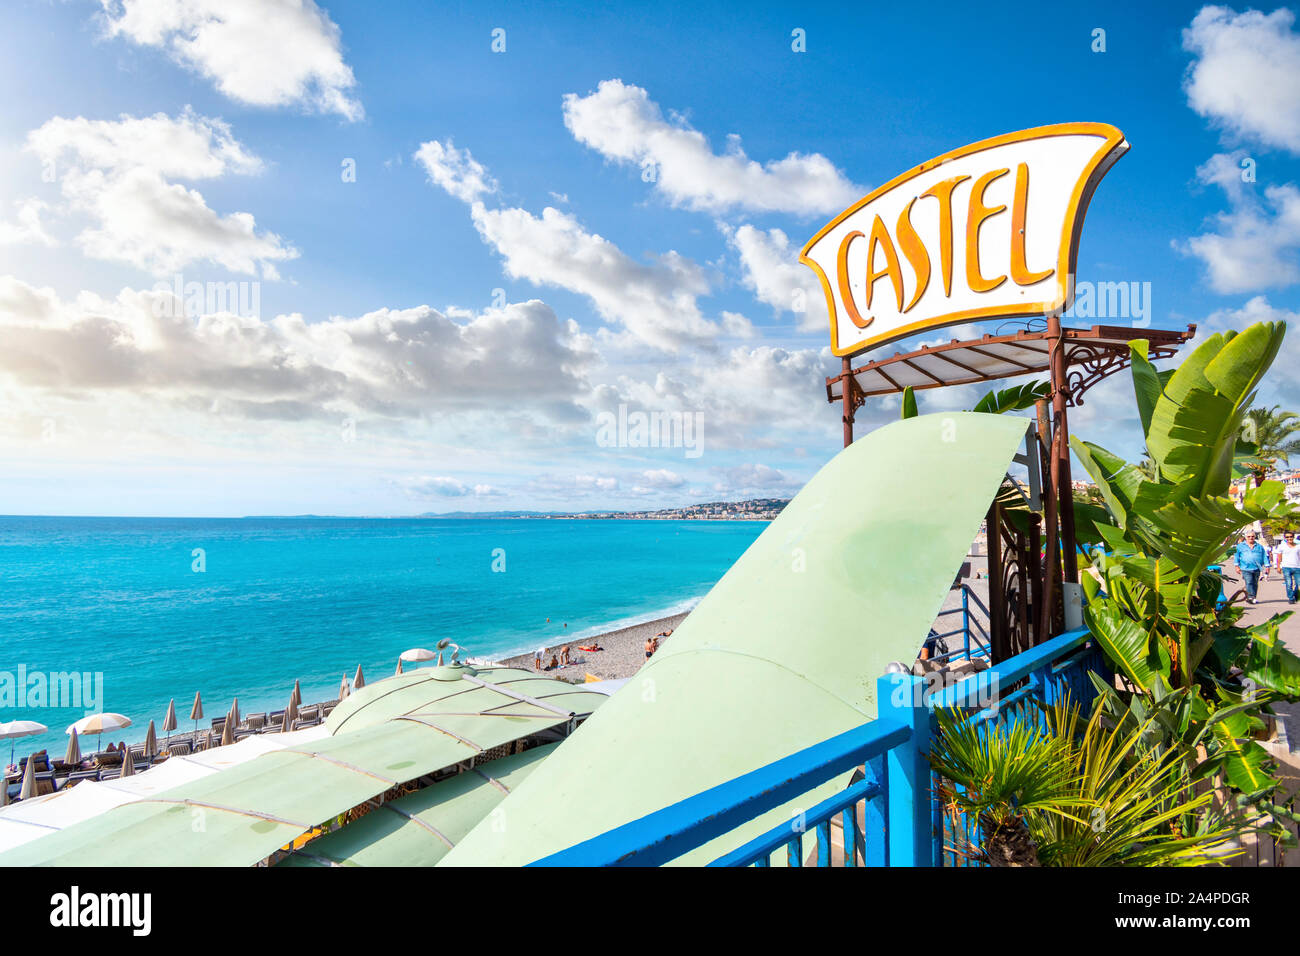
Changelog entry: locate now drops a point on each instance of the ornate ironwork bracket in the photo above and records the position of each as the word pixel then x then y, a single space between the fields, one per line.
pixel 1086 365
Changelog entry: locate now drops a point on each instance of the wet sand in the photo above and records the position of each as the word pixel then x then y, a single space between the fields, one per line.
pixel 622 654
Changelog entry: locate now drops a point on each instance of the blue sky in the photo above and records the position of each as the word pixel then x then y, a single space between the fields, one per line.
pixel 443 330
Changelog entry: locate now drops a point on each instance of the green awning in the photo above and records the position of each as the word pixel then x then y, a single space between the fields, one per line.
pixel 785 650
pixel 420 829
pixel 387 736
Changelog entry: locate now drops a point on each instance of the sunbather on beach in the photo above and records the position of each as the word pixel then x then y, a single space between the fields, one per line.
pixel 564 656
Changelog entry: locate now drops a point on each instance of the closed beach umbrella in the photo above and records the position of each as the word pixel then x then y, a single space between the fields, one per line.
pixel 227 734
pixel 19 728
pixel 29 781
pixel 196 712
pixel 169 722
pixel 73 756
pixel 128 762
pixel 297 693
pixel 399 668
pixel 234 711
pixel 359 681
pixel 98 723
pixel 290 714
pixel 343 684
pixel 151 742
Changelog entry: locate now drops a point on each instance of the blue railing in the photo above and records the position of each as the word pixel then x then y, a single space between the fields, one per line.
pixel 888 814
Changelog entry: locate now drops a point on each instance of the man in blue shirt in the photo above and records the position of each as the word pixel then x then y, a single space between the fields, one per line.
pixel 1249 558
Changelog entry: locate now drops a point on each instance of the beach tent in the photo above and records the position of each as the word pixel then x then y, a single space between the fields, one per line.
pixel 784 651
pixel 392 732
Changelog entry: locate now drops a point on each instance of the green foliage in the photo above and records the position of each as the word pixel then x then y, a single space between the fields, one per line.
pixel 1050 792
pixel 1153 605
pixel 909 403
pixel 1013 399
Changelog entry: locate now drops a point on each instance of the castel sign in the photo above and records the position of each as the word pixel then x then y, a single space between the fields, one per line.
pixel 987 231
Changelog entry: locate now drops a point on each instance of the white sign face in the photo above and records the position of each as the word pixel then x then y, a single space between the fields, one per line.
pixel 987 231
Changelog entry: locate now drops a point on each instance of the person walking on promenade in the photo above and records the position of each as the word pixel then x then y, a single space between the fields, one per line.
pixel 1249 558
pixel 1288 562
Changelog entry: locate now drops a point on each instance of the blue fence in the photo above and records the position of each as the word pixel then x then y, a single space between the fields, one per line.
pixel 888 814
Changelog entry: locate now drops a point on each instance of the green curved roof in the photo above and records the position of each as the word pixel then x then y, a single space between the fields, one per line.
pixel 420 829
pixel 396 730
pixel 786 648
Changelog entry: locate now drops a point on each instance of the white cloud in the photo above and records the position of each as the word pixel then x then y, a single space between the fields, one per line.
pixel 621 122
pixel 27 226
pixel 773 272
pixel 444 487
pixel 1247 75
pixel 661 478
pixel 1255 245
pixel 656 301
pixel 117 173
pixel 261 52
pixel 409 364
pixel 455 170
pixel 754 481
pixel 1282 383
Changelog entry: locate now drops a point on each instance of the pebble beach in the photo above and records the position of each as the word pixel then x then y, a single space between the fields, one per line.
pixel 622 652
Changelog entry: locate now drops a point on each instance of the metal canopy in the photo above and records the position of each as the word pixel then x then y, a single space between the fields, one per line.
pixel 1097 351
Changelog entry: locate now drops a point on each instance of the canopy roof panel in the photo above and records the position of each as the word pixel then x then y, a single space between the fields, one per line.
pixel 420 829
pixel 1000 356
pixel 251 810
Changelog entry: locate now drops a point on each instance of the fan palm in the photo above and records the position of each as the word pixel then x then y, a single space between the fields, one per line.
pixel 1271 431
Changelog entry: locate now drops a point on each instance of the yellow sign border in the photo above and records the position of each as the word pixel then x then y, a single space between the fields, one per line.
pixel 1106 156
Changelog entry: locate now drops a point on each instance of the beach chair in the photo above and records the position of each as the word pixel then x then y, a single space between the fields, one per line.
pixel 108 758
pixel 218 724
pixel 109 775
pixel 256 721
pixel 327 708
pixel 78 775
pixel 179 749
pixel 309 713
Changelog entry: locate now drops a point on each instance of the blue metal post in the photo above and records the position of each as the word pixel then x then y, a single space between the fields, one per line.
pixel 965 618
pixel 875 833
pixel 901 697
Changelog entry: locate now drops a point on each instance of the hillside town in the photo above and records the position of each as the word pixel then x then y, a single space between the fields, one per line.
pixel 755 509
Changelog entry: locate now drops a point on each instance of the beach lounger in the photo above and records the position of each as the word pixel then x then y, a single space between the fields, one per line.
pixel 256 721
pixel 78 775
pixel 109 775
pixel 218 724
pixel 108 758
pixel 327 709
pixel 179 749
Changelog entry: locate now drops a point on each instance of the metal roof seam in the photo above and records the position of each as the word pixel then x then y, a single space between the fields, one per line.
pixel 421 823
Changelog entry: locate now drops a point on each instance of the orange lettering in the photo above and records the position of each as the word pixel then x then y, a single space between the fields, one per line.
pixel 943 192
pixel 880 237
pixel 978 213
pixel 1020 273
pixel 846 294
pixel 914 249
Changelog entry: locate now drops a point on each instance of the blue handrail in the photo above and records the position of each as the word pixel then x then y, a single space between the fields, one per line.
pixel 903 825
pixel 668 833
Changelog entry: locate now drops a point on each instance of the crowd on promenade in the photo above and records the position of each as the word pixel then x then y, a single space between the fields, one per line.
pixel 1254 557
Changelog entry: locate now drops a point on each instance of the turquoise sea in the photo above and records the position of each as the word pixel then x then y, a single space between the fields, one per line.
pixel 164 607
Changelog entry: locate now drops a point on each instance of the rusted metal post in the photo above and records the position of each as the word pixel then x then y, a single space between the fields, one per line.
pixel 1061 449
pixel 846 388
pixel 1052 487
